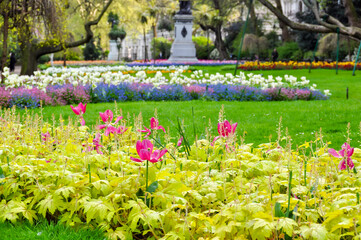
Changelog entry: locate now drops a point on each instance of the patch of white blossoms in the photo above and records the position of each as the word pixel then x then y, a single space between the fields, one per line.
pixel 114 75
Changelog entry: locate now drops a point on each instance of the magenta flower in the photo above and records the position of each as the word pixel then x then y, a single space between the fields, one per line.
pixel 96 142
pixel 180 141
pixel 120 130
pixel 45 137
pixel 145 152
pixel 79 110
pixel 154 125
pixel 146 130
pixel 225 129
pixel 107 118
pixel 345 153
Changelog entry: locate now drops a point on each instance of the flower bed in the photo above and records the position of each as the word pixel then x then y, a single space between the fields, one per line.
pixel 67 86
pixel 249 66
pixel 164 62
pixel 118 178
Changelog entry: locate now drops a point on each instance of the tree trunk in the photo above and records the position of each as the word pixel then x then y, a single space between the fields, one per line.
pixel 286 37
pixel 253 19
pixel 145 46
pixel 154 26
pixel 5 44
pixel 219 44
pixel 29 59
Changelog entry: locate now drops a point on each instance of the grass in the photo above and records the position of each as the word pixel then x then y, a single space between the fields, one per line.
pixel 46 231
pixel 259 119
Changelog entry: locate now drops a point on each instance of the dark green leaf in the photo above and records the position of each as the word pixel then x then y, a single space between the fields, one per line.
pixel 152 187
pixel 278 210
pixel 1 173
pixel 140 193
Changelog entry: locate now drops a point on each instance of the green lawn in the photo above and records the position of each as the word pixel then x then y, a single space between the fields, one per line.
pixel 45 231
pixel 259 119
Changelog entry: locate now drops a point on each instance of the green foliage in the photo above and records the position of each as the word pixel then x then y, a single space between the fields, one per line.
pixel 42 230
pixel 203 47
pixel 289 50
pixel 113 19
pixel 165 24
pixel 91 52
pixel 72 54
pixel 327 47
pixel 116 33
pixel 162 45
pixel 211 193
pixel 273 40
pixel 43 59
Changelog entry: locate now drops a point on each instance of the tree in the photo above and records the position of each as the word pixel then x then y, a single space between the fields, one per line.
pixel 212 15
pixel 286 36
pixel 41 26
pixel 326 23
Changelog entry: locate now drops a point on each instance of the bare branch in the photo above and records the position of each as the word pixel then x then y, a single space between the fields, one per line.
pixel 330 24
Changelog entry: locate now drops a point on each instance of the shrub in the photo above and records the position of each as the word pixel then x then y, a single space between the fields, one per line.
pixel 202 48
pixel 43 59
pixel 287 51
pixel 69 94
pixel 162 45
pixel 4 97
pixel 90 52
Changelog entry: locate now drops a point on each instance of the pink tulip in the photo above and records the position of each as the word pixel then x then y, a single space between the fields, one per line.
pixel 225 129
pixel 345 153
pixel 154 124
pixel 146 130
pixel 145 152
pixel 121 130
pixel 180 141
pixel 107 118
pixel 79 110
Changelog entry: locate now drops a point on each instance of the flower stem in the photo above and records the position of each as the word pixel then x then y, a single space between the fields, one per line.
pixel 146 183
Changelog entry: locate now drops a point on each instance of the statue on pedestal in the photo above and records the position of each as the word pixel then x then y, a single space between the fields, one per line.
pixel 185 7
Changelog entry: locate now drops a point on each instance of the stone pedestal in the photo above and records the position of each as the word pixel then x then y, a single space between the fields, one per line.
pixel 113 51
pixel 183 49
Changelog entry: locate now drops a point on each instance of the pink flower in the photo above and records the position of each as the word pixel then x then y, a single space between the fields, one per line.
pixel 79 110
pixel 45 136
pixel 154 124
pixel 121 130
pixel 96 142
pixel 146 130
pixel 345 153
pixel 225 129
pixel 180 141
pixel 145 152
pixel 107 118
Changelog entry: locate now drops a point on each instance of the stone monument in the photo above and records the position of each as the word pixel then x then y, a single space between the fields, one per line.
pixel 183 49
pixel 113 51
